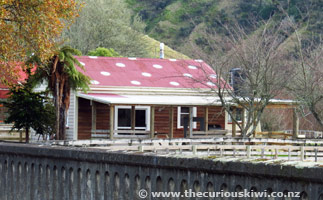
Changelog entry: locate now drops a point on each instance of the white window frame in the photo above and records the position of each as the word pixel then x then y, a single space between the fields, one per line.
pixel 179 111
pixel 146 108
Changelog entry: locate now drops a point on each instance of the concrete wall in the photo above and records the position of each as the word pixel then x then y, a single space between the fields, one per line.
pixel 35 172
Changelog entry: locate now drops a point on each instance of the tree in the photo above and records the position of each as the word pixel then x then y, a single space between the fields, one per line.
pixel 100 51
pixel 261 70
pixel 62 76
pixel 107 24
pixel 306 58
pixel 307 84
pixel 28 109
pixel 31 27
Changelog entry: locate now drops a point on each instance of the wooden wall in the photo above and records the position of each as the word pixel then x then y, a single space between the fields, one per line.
pixel 216 117
pixel 85 118
pixel 102 116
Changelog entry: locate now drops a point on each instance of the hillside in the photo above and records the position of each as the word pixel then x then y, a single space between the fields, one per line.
pixel 152 47
pixel 178 22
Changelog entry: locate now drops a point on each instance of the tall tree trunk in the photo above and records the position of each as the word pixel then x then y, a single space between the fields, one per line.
pixel 55 80
pixel 57 105
pixel 62 122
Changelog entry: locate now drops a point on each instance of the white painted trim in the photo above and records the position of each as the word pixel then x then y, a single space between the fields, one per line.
pixel 146 108
pixel 226 120
pixel 179 116
pixel 76 117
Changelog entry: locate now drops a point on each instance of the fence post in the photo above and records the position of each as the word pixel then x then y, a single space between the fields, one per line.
pixel 262 153
pixel 315 154
pixel 248 151
pixel 276 153
pixel 289 154
pixel 302 153
pixel 141 148
pixel 194 149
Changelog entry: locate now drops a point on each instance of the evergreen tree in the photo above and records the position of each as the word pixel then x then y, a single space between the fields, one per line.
pixel 28 109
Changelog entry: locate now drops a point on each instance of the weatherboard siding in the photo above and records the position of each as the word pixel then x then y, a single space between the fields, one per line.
pixel 84 119
pixel 71 116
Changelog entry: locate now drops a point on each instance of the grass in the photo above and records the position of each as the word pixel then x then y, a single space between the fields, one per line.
pixel 153 49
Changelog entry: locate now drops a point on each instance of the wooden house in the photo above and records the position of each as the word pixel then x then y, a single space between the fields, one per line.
pixel 146 98
pixel 142 98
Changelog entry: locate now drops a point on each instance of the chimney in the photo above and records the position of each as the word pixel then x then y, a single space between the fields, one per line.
pixel 161 54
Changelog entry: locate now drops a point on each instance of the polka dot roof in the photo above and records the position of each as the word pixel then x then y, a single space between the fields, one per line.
pixel 147 72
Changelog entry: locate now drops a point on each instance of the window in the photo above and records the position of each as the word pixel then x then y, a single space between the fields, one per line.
pixel 239 114
pixel 183 112
pixel 123 117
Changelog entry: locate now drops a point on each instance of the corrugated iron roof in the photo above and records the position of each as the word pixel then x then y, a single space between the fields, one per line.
pixel 21 77
pixel 148 72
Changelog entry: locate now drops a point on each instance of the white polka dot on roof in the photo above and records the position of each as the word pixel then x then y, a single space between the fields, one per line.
pixel 198 60
pixel 172 59
pixel 106 73
pixel 146 74
pixel 174 83
pixel 213 76
pixel 192 67
pixel 135 83
pixel 94 82
pixel 132 58
pixel 210 83
pixel 188 75
pixel 120 65
pixel 157 66
pixel 93 57
pixel 82 63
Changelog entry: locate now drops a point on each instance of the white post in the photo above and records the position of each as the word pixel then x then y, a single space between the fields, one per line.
pixel 161 54
pixel 191 121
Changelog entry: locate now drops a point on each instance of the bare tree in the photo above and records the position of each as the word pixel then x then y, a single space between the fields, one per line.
pixel 306 57
pixel 307 85
pixel 261 69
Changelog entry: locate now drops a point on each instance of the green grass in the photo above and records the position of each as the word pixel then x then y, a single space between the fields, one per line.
pixel 153 48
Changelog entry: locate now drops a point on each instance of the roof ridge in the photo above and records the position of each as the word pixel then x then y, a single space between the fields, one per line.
pixel 139 58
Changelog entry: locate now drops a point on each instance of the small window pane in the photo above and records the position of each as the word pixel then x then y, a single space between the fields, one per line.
pixel 124 117
pixel 182 118
pixel 185 110
pixel 140 118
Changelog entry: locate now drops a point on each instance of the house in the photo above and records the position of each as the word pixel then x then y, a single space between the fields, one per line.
pixel 141 97
pixel 146 98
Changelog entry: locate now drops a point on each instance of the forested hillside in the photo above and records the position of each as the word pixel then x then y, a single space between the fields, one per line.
pixel 179 22
pixel 111 24
pixel 122 25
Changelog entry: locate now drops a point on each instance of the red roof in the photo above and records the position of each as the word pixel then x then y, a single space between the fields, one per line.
pixel 22 76
pixel 148 72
